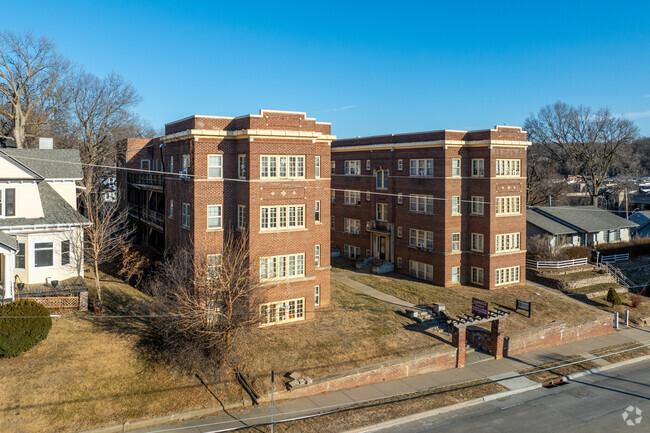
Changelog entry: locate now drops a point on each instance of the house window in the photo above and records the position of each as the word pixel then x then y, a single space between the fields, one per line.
pixel 213 264
pixel 399 231
pixel 455 274
pixel 477 242
pixel 185 217
pixel 399 262
pixel 421 204
pixel 477 275
pixel 400 165
pixel 367 196
pixel 317 295
pixel 332 225
pixel 10 202
pixel 455 205
pixel 145 164
pixel 351 252
pixel 400 198
pixel 20 256
pixel 455 241
pixel 367 165
pixel 282 217
pixel 352 168
pixel 422 271
pixel 241 166
pixel 381 179
pixel 186 167
pixel 381 212
pixel 508 206
pixel 214 216
pixel 317 211
pixel 477 205
pixel 317 167
pixel 333 196
pixel 65 253
pixel 241 217
pixel 352 226
pixel 455 167
pixel 171 208
pixel 317 255
pixel 282 166
pixel 332 167
pixel 351 198
pixel 613 235
pixel 507 242
pixel 421 239
pixel 171 164
pixel 422 168
pixel 289 266
pixel 282 312
pixel 478 166
pixel 506 275
pixel 43 254
pixel 508 167
pixel 215 166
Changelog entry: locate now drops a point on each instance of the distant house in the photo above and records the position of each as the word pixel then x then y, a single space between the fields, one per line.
pixel 41 232
pixel 577 225
pixel 642 218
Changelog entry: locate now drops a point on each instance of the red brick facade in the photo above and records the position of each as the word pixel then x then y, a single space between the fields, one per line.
pixel 381 238
pixel 283 135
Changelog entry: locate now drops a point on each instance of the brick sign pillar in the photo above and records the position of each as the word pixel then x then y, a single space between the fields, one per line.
pixel 496 339
pixel 459 339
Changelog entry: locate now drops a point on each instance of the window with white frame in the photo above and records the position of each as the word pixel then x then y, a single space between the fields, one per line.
pixel 171 163
pixel 399 231
pixel 213 264
pixel 381 212
pixel 477 242
pixel 145 164
pixel 317 167
pixel 455 241
pixel 455 205
pixel 351 252
pixel 241 217
pixel 478 204
pixel 455 167
pixel 280 267
pixel 508 206
pixel 215 166
pixel 422 271
pixel 508 167
pixel 65 253
pixel 9 196
pixel 400 198
pixel 506 275
pixel 20 256
pixel 507 242
pixel 367 165
pixel 352 168
pixel 421 168
pixel 43 254
pixel 400 165
pixel 185 171
pixel 317 295
pixel 332 167
pixel 421 204
pixel 214 216
pixel 455 274
pixel 274 313
pixel 351 198
pixel 317 256
pixel 317 211
pixel 282 217
pixel 185 217
pixel 381 179
pixel 477 275
pixel 282 166
pixel 333 196
pixel 241 166
pixel 478 167
pixel 352 226
pixel 421 239
pixel 399 262
pixel 171 208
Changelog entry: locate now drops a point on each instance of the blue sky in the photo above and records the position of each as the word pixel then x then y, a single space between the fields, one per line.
pixel 366 67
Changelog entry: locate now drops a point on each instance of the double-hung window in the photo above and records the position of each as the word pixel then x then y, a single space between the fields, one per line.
pixel 508 206
pixel 9 201
pixel 507 242
pixel 185 217
pixel 477 275
pixel 213 264
pixel 317 255
pixel 317 211
pixel 422 168
pixel 421 204
pixel 478 167
pixel 455 241
pixel 421 239
pixel 20 256
pixel 282 166
pixel 477 242
pixel 381 179
pixel 215 166
pixel 186 167
pixel 352 226
pixel 214 216
pixel 241 217
pixel 351 198
pixel 455 205
pixel 381 212
pixel 288 266
pixel 420 270
pixel 508 167
pixel 352 168
pixel 282 217
pixel 455 167
pixel 241 166
pixel 65 253
pixel 317 167
pixel 477 205
pixel 43 254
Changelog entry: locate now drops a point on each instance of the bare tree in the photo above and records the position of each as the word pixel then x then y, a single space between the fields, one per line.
pixel 31 73
pixel 211 304
pixel 588 143
pixel 543 180
pixel 107 234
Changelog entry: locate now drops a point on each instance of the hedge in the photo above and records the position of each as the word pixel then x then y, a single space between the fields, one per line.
pixel 20 334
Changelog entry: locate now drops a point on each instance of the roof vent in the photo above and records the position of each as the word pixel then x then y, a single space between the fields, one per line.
pixel 46 143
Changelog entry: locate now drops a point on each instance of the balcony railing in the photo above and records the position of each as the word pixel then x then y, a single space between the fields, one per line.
pixel 147 215
pixel 152 179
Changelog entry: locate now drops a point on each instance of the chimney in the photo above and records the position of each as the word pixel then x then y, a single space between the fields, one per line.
pixel 46 143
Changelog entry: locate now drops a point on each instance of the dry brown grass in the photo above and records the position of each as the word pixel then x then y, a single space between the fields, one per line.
pixel 628 354
pixel 559 371
pixel 387 409
pixel 639 315
pixel 546 306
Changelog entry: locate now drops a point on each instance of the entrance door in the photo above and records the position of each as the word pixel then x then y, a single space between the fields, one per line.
pixel 381 247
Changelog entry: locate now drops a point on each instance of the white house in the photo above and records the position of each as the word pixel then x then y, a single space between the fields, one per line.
pixel 41 232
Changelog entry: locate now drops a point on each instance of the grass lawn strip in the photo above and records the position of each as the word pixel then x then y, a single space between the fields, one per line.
pixel 618 357
pixel 561 370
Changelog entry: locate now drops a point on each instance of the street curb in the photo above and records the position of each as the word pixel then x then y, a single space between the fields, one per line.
pixel 490 397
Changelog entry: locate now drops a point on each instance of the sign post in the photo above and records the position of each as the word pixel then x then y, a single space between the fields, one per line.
pixel 523 305
pixel 480 308
pixel 272 380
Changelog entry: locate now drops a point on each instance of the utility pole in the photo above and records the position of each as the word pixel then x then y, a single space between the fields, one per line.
pixel 272 380
pixel 627 216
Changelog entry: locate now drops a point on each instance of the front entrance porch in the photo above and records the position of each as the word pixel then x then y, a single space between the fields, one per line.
pixel 7 258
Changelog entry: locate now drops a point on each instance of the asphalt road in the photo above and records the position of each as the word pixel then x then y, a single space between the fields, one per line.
pixel 592 403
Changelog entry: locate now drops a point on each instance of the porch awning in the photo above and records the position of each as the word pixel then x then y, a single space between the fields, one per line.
pixel 384 232
pixel 8 241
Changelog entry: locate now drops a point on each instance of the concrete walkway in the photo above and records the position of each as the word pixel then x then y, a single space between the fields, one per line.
pixel 344 278
pixel 501 370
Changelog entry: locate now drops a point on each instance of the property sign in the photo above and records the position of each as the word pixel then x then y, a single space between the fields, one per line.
pixel 480 308
pixel 523 305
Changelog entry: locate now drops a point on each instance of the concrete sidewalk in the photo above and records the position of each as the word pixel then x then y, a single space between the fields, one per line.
pixel 344 278
pixel 501 370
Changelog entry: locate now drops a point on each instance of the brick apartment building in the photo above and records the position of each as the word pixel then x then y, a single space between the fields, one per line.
pixel 254 174
pixel 446 206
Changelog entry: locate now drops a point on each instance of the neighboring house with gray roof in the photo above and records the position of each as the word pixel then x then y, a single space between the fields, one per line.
pixel 577 225
pixel 642 218
pixel 41 232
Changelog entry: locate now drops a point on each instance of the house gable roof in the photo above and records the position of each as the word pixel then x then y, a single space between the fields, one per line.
pixel 547 224
pixel 589 219
pixel 642 218
pixel 49 163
